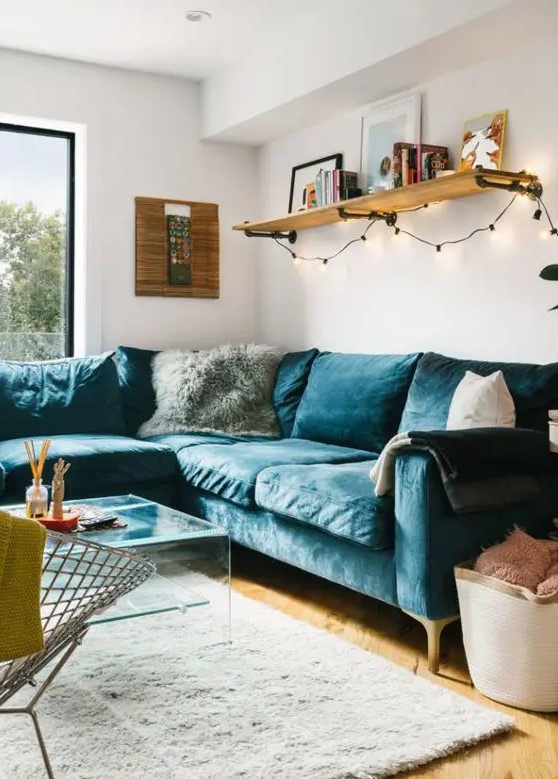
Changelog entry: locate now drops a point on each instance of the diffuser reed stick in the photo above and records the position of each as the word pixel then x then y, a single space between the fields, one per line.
pixel 37 466
pixel 31 459
pixel 36 496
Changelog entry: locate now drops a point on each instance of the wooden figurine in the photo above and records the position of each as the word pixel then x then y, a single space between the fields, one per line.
pixel 60 470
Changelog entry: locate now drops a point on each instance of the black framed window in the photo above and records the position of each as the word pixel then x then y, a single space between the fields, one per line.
pixel 37 193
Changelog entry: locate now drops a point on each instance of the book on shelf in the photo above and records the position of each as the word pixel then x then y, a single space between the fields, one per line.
pixel 319 188
pixel 333 186
pixel 310 196
pixel 348 180
pixel 403 164
pixel 432 159
pixel 414 162
pixel 336 185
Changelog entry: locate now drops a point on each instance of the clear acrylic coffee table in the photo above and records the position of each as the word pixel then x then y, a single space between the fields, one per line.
pixel 177 543
pixel 171 539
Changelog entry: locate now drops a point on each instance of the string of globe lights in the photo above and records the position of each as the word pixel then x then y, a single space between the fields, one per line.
pixel 390 220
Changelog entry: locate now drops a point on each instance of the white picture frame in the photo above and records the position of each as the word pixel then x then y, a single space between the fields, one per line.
pixel 397 118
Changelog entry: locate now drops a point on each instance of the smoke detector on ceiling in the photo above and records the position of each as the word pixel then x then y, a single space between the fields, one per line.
pixel 197 16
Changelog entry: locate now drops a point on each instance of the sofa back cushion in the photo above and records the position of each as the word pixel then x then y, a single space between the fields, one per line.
pixel 290 384
pixel 138 394
pixel 76 395
pixel 534 389
pixel 136 385
pixel 355 400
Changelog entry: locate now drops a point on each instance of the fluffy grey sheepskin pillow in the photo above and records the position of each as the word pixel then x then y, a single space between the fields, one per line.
pixel 223 390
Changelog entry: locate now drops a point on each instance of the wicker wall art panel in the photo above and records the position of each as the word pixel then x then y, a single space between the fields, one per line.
pixel 177 248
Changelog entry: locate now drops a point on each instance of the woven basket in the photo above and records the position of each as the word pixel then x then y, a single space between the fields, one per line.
pixel 511 640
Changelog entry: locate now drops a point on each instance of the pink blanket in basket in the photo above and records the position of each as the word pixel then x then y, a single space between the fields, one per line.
pixel 523 560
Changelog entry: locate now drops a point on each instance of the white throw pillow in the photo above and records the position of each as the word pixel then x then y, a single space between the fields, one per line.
pixel 481 401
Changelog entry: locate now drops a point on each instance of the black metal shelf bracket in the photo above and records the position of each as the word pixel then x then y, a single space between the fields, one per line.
pixel 291 236
pixel 533 189
pixel 389 217
pixel 344 214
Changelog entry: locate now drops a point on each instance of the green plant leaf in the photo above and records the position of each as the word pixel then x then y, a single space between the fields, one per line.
pixel 550 273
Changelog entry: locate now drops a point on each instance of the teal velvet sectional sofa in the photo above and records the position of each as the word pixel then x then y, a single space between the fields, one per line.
pixel 305 498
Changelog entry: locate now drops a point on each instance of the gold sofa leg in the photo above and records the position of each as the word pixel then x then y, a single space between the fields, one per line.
pixel 433 629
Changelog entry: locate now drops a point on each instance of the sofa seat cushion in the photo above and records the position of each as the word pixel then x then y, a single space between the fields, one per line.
pixel 338 499
pixel 231 471
pixel 98 463
pixel 178 441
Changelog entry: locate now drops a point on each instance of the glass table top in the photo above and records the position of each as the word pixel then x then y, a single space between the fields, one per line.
pixel 147 523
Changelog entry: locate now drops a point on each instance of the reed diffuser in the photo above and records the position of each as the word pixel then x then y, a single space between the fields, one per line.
pixel 36 495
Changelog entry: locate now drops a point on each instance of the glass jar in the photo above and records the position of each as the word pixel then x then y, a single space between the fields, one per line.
pixel 36 500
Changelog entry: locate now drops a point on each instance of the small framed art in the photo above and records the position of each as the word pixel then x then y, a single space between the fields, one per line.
pixel 305 174
pixel 483 141
pixel 386 122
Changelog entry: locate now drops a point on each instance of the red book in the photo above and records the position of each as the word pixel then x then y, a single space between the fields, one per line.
pixel 400 163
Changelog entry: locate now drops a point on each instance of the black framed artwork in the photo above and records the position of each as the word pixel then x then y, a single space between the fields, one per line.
pixel 305 174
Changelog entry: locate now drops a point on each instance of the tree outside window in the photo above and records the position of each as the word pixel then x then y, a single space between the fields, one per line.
pixel 35 255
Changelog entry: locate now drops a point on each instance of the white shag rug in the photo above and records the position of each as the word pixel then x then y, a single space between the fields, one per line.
pixel 142 698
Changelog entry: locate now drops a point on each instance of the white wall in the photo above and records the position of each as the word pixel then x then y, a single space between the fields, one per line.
pixel 142 139
pixel 284 75
pixel 482 299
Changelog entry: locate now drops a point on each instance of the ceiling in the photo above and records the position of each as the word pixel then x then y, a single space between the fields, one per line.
pixel 269 67
pixel 147 35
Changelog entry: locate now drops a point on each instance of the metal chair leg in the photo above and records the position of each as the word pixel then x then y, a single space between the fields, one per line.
pixel 33 714
pixel 44 686
pixel 57 668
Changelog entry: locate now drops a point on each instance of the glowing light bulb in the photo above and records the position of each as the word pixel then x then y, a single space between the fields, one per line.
pixel 545 235
pixel 297 261
pixel 323 267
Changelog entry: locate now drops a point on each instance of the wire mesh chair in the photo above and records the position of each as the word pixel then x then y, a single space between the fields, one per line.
pixel 79 580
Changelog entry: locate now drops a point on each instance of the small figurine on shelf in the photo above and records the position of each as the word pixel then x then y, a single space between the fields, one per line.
pixel 60 470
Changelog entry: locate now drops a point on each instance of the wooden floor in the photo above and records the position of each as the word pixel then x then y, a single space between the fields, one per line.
pixel 529 753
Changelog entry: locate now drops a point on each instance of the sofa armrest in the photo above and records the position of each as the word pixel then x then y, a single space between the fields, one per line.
pixel 430 538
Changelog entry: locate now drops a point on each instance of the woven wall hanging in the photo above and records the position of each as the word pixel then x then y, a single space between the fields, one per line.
pixel 177 248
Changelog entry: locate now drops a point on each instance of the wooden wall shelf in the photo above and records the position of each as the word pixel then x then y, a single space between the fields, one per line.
pixel 470 182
